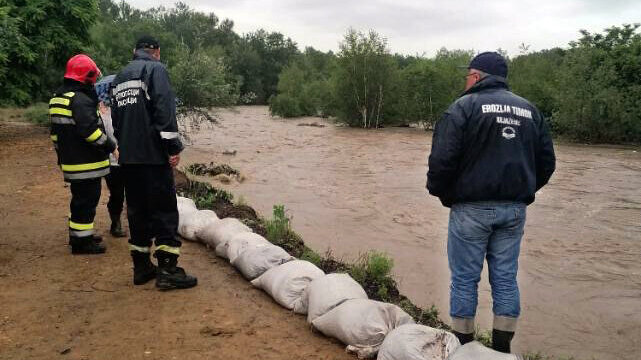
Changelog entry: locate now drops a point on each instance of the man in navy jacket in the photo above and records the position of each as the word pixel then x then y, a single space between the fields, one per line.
pixel 491 152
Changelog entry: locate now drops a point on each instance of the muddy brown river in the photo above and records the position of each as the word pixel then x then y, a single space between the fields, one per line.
pixel 352 190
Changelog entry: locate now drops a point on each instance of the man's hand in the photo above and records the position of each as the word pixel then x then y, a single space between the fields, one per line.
pixel 174 160
pixel 116 154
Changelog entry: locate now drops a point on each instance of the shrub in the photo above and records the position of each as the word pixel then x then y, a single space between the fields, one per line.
pixel 38 114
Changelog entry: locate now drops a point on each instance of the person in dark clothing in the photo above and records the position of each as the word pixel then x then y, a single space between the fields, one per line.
pixel 82 148
pixel 491 152
pixel 114 180
pixel 144 119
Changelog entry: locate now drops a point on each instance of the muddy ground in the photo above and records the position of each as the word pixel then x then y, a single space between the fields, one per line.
pixel 58 306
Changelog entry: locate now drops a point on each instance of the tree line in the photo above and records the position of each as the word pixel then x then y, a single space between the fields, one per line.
pixel 589 91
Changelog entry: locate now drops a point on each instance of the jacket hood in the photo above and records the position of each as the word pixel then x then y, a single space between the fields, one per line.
pixel 141 54
pixel 488 82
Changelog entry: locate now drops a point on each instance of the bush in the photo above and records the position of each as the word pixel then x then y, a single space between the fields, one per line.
pixel 38 114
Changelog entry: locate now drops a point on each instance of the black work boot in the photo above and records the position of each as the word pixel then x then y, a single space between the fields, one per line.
pixel 86 245
pixel 169 275
pixel 144 269
pixel 501 340
pixel 96 238
pixel 116 226
pixel 464 338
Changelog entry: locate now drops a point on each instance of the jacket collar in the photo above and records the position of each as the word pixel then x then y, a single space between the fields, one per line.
pixel 488 82
pixel 76 86
pixel 141 54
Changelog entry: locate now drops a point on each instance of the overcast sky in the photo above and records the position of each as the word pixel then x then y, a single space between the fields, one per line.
pixel 414 26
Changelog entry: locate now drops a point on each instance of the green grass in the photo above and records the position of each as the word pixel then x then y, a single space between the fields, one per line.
pixel 38 114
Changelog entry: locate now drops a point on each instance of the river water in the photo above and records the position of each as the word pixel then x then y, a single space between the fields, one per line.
pixel 352 190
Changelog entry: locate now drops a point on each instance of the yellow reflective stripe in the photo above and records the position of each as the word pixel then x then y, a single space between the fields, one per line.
pixel 169 249
pixel 142 249
pixel 54 137
pixel 83 167
pixel 60 111
pixel 78 226
pixel 59 101
pixel 94 136
pixel 69 94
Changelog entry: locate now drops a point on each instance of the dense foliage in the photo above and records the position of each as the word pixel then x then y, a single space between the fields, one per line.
pixel 588 92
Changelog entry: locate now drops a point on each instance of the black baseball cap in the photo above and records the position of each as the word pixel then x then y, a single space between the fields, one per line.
pixel 147 42
pixel 489 62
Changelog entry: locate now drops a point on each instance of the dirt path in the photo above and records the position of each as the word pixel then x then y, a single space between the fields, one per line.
pixel 55 305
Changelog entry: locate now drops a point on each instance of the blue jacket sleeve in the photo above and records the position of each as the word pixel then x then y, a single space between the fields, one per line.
pixel 545 158
pixel 163 103
pixel 447 147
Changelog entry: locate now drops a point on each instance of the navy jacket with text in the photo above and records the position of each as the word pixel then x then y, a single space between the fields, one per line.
pixel 490 145
pixel 143 109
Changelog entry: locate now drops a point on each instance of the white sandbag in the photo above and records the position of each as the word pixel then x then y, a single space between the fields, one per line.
pixel 286 283
pixel 185 206
pixel 476 351
pixel 254 262
pixel 362 324
pixel 243 242
pixel 221 231
pixel 195 222
pixel 329 291
pixel 418 342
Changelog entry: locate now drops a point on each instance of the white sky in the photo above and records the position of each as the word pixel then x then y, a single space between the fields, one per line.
pixel 417 27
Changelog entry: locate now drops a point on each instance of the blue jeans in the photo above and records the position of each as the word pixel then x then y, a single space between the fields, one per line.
pixel 478 230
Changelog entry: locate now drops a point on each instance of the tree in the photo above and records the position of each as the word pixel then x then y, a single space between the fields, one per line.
pixel 364 80
pixel 37 38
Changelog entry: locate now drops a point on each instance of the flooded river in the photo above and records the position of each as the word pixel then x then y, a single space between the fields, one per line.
pixel 352 190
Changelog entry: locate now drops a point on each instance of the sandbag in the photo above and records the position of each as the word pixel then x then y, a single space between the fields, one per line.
pixel 254 262
pixel 195 222
pixel 362 324
pixel 221 231
pixel 286 283
pixel 418 342
pixel 329 291
pixel 185 207
pixel 243 242
pixel 476 351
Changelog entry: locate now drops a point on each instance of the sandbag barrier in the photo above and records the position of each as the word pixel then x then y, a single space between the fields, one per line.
pixel 335 304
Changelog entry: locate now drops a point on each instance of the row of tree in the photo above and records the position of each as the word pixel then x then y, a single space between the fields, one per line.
pixel 210 64
pixel 590 91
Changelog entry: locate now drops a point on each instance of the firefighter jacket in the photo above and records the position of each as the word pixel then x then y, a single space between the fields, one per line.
pixel 143 110
pixel 78 133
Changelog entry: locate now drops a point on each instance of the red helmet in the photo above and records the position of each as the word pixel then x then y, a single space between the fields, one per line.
pixel 81 68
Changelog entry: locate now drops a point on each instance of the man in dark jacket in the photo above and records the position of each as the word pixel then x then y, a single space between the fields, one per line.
pixel 82 148
pixel 144 120
pixel 491 152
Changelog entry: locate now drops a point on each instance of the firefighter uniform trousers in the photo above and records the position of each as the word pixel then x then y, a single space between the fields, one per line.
pixel 152 210
pixel 85 195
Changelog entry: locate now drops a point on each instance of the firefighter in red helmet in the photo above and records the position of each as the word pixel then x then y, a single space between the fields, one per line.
pixel 83 149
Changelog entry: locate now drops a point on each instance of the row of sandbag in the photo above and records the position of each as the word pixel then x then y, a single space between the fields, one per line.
pixel 335 304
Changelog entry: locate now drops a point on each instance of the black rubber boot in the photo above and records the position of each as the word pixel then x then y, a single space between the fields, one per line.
pixel 464 338
pixel 86 246
pixel 144 269
pixel 116 226
pixel 501 340
pixel 171 276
